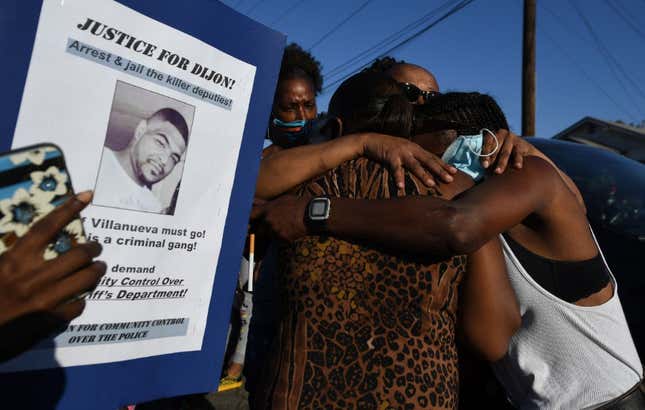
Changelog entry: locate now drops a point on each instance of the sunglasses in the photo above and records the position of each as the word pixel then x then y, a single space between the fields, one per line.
pixel 412 92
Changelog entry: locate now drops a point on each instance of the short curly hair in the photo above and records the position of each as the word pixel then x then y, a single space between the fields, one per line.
pixel 383 64
pixel 298 63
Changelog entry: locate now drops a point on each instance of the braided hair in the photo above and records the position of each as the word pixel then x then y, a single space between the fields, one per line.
pixel 468 112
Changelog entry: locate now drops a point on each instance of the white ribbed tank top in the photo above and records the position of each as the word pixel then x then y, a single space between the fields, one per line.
pixel 565 356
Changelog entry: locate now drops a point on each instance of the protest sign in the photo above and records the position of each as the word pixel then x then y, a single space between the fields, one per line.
pixel 161 110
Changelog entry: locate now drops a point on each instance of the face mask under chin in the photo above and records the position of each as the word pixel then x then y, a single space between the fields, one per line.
pixel 289 134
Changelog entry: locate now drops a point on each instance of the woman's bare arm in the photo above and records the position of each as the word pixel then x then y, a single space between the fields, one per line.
pixel 489 313
pixel 459 226
pixel 514 148
pixel 565 178
pixel 288 168
pixel 430 224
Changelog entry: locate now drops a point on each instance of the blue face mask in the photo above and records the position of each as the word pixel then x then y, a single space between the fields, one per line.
pixel 465 152
pixel 289 134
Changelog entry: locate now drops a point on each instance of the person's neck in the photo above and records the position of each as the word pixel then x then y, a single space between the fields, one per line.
pixel 125 159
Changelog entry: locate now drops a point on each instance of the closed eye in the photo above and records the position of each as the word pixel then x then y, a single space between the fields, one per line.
pixel 164 140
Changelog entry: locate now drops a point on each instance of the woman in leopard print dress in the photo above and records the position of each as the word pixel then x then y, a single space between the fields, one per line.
pixel 365 327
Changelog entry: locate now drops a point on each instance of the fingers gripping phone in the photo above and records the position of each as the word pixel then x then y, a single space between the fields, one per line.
pixel 34 181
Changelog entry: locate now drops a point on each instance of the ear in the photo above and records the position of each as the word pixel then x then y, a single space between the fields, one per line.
pixel 333 128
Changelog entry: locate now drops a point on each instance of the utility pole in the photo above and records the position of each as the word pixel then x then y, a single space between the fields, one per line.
pixel 528 70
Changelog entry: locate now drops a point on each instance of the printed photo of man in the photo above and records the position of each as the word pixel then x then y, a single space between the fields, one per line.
pixel 126 177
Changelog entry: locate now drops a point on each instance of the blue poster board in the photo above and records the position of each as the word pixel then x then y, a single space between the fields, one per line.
pixel 108 386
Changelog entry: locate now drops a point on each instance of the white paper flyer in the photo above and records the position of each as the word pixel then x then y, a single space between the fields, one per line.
pixel 152 120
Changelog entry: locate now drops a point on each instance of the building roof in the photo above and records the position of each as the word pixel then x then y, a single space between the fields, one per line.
pixel 628 129
pixel 602 138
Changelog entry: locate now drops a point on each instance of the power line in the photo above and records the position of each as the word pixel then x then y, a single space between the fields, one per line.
pixel 452 11
pixel 339 25
pixel 386 41
pixel 603 54
pixel 607 54
pixel 362 59
pixel 604 51
pixel 625 18
pixel 442 18
pixel 627 13
pixel 563 23
pixel 576 64
pixel 287 12
pixel 382 43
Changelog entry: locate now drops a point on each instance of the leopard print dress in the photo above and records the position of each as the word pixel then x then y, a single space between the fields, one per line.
pixel 361 328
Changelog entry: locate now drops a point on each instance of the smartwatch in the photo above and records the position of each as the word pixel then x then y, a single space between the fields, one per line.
pixel 317 213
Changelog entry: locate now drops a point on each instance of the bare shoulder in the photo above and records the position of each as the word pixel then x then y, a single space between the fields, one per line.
pixel 539 166
pixel 542 175
pixel 536 175
pixel 556 205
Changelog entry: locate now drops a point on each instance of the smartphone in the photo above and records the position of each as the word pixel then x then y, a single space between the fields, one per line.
pixel 33 182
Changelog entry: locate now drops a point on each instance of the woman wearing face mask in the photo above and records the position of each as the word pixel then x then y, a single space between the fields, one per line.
pixel 292 115
pixel 574 349
pixel 294 104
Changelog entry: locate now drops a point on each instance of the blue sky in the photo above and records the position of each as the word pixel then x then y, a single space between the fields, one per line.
pixel 480 48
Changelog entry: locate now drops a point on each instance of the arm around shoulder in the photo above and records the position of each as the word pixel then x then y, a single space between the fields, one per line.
pixel 497 204
pixel 447 227
pixel 289 168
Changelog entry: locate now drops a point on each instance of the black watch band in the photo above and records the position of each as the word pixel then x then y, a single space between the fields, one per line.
pixel 317 213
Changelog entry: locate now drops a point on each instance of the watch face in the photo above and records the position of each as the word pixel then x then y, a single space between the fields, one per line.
pixel 319 209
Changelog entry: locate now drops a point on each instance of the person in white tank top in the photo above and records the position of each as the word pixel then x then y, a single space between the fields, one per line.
pixel 565 355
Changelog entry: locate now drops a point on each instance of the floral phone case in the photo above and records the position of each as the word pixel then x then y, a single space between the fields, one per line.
pixel 33 181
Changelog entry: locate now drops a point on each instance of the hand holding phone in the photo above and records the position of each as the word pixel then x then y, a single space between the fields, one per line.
pixel 37 295
pixel 45 263
pixel 29 283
